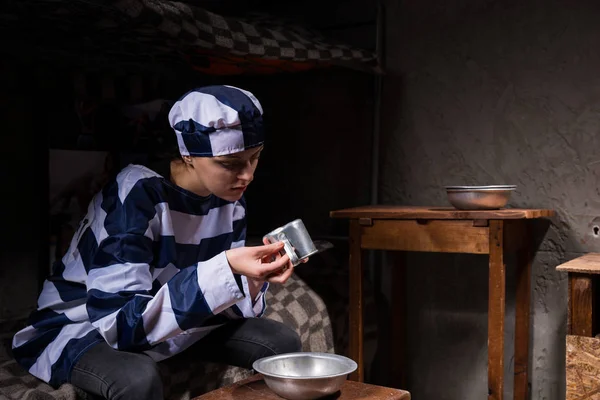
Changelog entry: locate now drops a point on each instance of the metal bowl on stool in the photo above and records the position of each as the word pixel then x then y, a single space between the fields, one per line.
pixel 304 375
pixel 491 197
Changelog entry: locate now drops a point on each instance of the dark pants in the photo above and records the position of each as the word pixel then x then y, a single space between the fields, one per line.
pixel 112 374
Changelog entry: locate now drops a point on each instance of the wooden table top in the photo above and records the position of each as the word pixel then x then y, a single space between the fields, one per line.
pixel 405 212
pixel 254 388
pixel 588 263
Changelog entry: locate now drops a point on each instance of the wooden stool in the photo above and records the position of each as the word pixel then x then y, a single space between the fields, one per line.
pixel 255 388
pixel 581 315
pixel 583 349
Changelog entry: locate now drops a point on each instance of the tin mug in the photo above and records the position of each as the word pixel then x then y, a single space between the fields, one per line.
pixel 297 243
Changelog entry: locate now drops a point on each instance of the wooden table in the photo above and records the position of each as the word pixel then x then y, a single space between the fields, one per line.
pixel 254 388
pixel 448 230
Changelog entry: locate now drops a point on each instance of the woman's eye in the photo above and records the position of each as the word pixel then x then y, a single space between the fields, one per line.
pixel 237 166
pixel 231 166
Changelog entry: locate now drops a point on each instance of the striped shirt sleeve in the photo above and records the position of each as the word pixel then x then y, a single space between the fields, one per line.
pixel 120 301
pixel 246 307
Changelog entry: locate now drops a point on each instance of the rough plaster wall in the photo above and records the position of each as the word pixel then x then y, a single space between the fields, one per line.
pixel 484 92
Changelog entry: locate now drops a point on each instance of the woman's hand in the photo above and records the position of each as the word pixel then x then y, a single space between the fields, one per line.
pixel 304 260
pixel 261 263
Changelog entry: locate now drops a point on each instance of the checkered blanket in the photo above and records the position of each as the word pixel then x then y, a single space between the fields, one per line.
pixel 294 304
pixel 158 31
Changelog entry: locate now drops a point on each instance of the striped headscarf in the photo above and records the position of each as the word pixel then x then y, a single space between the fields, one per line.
pixel 217 120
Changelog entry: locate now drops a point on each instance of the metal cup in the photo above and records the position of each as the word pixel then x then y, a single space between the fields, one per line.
pixel 297 242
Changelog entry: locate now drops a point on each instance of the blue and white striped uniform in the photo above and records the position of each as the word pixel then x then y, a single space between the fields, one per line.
pixel 146 272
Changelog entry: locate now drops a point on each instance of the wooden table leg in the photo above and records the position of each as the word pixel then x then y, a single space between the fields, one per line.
pixel 496 309
pixel 398 324
pixel 356 302
pixel 522 318
pixel 580 304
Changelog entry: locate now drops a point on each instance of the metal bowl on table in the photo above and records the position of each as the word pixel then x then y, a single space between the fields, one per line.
pixel 491 197
pixel 305 375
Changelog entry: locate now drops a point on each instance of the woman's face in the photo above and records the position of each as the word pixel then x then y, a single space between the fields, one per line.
pixel 227 176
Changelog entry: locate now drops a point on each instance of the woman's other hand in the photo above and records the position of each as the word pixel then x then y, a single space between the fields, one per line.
pixel 261 263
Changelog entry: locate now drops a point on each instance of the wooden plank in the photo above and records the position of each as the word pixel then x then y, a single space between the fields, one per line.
pixel 580 304
pixel 589 264
pixel 434 236
pixel 356 350
pixel 569 316
pixel 398 323
pixel 496 310
pixel 524 261
pixel 402 212
pixel 583 368
pixel 365 221
pixel 255 388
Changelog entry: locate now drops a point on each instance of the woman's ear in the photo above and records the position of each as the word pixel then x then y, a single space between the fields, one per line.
pixel 188 160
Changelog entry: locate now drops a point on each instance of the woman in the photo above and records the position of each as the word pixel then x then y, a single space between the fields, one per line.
pixel 159 264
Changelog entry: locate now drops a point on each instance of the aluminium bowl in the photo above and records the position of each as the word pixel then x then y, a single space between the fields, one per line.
pixel 491 197
pixel 304 375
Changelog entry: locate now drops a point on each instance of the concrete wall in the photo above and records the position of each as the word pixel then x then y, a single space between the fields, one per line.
pixel 485 92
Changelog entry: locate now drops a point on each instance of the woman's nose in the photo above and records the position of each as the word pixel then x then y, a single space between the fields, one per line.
pixel 247 174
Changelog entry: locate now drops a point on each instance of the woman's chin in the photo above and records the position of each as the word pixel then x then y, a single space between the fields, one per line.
pixel 231 195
